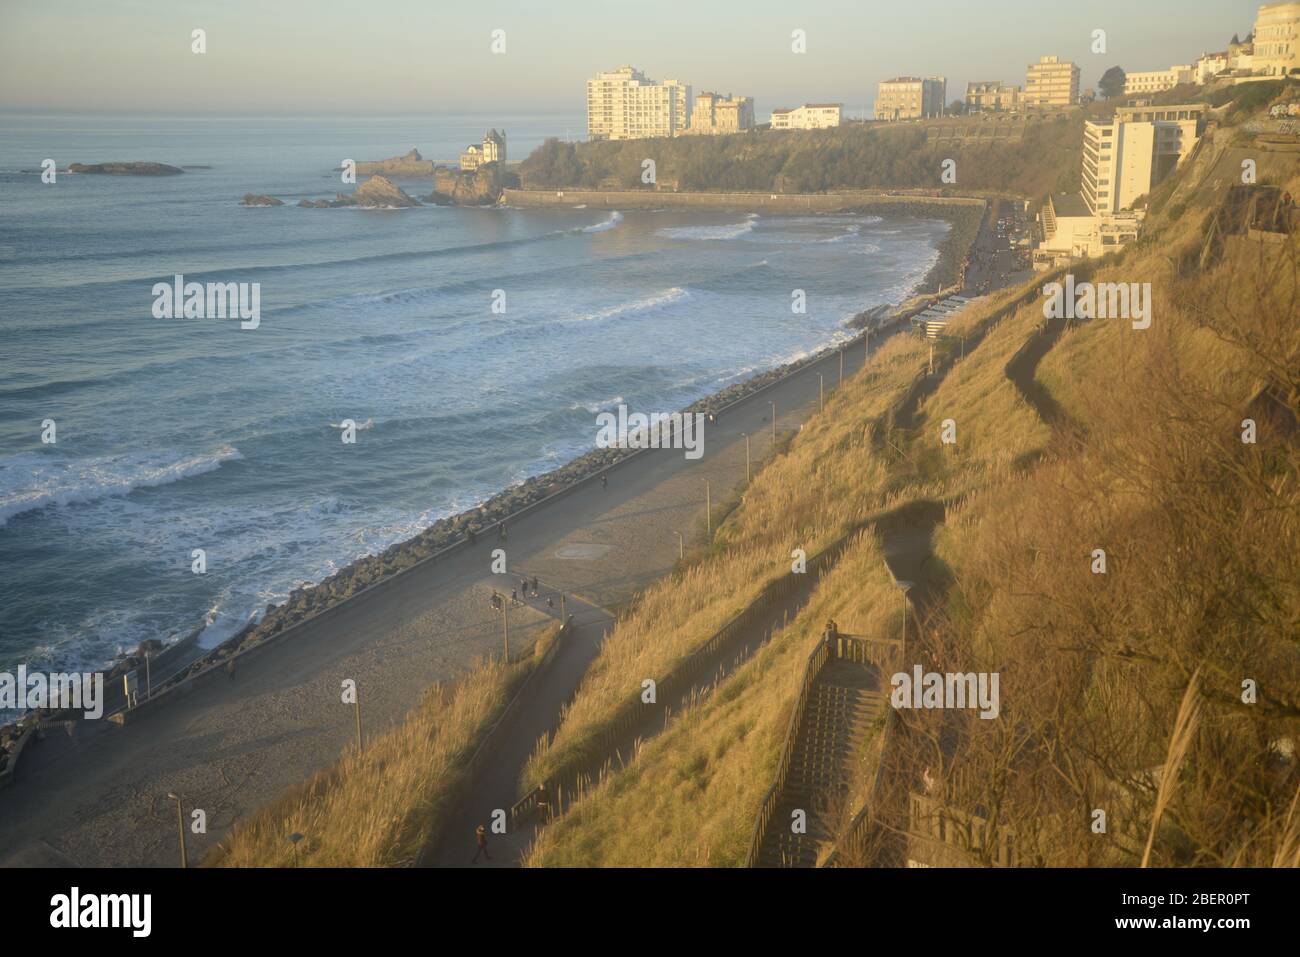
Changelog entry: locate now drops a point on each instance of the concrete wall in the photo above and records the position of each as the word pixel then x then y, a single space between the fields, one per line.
pixel 780 202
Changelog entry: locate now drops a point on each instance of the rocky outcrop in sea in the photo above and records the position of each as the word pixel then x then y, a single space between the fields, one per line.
pixel 126 169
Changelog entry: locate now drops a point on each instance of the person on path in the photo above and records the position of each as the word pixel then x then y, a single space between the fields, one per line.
pixel 604 481
pixel 230 669
pixel 535 592
pixel 501 531
pixel 543 804
pixel 550 602
pixel 514 596
pixel 480 836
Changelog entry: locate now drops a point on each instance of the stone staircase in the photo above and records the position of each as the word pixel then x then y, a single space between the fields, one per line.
pixel 844 701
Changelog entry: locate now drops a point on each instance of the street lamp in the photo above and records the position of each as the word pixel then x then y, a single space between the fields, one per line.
pixel 180 827
pixel 773 405
pixel 681 546
pixel 905 587
pixel 708 511
pixel 505 628
pixel 746 435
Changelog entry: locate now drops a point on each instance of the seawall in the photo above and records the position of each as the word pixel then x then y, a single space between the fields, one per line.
pixel 781 202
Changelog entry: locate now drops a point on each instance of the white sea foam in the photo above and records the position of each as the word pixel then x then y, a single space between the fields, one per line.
pixel 614 219
pixel 32 480
pixel 658 300
pixel 710 233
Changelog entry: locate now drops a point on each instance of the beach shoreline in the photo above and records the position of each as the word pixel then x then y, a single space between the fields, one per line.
pixel 450 532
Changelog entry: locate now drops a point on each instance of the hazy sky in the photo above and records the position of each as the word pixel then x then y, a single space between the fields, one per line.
pixel 330 56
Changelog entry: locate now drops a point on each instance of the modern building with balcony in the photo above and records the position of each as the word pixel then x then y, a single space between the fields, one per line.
pixel 624 104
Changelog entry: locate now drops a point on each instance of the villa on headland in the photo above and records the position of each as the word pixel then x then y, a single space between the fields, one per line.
pixel 493 150
pixel 810 116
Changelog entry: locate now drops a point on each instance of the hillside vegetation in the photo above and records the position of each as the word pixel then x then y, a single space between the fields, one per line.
pixel 1149 710
pixel 854 156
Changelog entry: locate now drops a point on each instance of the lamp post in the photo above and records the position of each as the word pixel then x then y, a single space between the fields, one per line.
pixel 356 709
pixel 821 392
pixel 708 511
pixel 746 435
pixel 773 405
pixel 681 546
pixel 505 626
pixel 180 827
pixel 905 587
pixel 841 365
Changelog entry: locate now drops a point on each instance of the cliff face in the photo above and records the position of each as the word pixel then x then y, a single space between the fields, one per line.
pixel 481 187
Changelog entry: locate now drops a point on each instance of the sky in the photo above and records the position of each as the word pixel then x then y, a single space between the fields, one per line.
pixel 346 57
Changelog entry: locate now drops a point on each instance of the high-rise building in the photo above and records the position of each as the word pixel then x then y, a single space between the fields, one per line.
pixel 911 97
pixel 993 96
pixel 810 116
pixel 1052 82
pixel 714 113
pixel 1277 40
pixel 1125 158
pixel 1156 81
pixel 624 105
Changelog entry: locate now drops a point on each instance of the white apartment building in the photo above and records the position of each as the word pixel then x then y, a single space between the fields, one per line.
pixel 1157 81
pixel 1209 66
pixel 1051 82
pixel 911 97
pixel 1277 40
pixel 810 116
pixel 1125 158
pixel 624 105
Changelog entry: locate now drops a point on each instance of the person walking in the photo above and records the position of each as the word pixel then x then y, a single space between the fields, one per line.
pixel 501 530
pixel 543 804
pixel 535 592
pixel 514 596
pixel 480 836
pixel 230 668
pixel 604 481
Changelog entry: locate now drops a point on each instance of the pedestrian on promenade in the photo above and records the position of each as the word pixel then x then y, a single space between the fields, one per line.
pixel 496 600
pixel 514 596
pixel 501 531
pixel 523 587
pixel 604 481
pixel 230 668
pixel 480 836
pixel 543 804
pixel 550 602
pixel 534 586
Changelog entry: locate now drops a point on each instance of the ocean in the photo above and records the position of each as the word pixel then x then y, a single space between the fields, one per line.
pixel 173 435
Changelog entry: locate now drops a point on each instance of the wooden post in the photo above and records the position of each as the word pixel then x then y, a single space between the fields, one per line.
pixel 357 702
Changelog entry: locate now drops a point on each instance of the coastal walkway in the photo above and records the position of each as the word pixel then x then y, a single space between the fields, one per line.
pixel 539 713
pixel 98 797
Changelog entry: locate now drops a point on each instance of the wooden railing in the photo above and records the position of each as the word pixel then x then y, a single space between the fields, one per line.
pixel 765 810
pixel 636 713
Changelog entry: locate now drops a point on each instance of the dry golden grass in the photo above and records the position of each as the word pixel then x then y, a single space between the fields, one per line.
pixel 830 480
pixel 690 797
pixel 380 808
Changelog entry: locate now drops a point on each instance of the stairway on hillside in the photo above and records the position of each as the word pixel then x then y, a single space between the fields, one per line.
pixel 844 701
